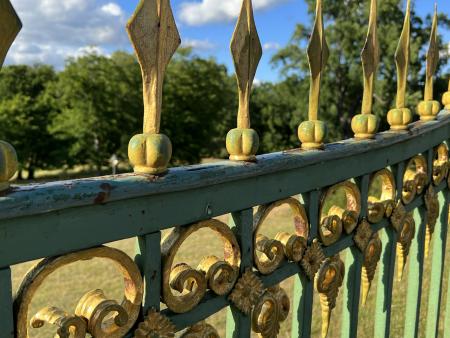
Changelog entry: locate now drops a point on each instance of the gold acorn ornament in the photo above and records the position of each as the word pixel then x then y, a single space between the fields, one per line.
pixel 10 26
pixel 155 38
pixel 399 117
pixel 365 125
pixel 312 133
pixel 429 108
pixel 243 142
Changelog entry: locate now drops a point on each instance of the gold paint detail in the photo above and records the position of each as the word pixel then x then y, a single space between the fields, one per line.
pixel 372 255
pixel 400 117
pixel 365 125
pixel 95 306
pixel 184 287
pixel 67 324
pixel 155 325
pixel 243 142
pixel 381 199
pixel 328 281
pixel 312 133
pixel 271 309
pixel 432 206
pixel 363 235
pixel 429 108
pixel 406 235
pixel 337 218
pixel 312 259
pixel 155 38
pixel 415 178
pixel 247 291
pixel 398 216
pixel 270 253
pixel 440 164
pixel 201 330
pixel 446 98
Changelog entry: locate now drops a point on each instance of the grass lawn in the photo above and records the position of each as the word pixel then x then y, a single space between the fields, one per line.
pixel 66 286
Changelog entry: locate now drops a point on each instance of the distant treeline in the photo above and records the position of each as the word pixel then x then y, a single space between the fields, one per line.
pixel 90 110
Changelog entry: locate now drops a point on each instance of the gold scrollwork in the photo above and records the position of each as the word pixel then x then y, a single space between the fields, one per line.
pixel 269 253
pixel 336 217
pixel 246 292
pixel 312 259
pixel 271 309
pixel 67 324
pixel 372 255
pixel 432 205
pixel 363 235
pixel 155 325
pixel 415 178
pixel 116 325
pixel 190 284
pixel 404 241
pixel 440 163
pixel 328 281
pixel 397 217
pixel 201 330
pixel 381 196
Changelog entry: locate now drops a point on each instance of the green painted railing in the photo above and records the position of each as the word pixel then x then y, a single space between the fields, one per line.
pixel 381 198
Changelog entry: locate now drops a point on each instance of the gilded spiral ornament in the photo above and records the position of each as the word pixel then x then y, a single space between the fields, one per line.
pixel 372 255
pixel 405 237
pixel 415 178
pixel 440 164
pixel 382 192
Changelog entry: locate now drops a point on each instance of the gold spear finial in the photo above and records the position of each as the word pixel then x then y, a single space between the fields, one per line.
pixel 155 38
pixel 400 117
pixel 313 132
pixel 365 125
pixel 10 26
pixel 429 108
pixel 243 142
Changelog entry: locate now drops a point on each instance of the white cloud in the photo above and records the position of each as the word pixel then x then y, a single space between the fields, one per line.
pixel 54 30
pixel 271 46
pixel 198 44
pixel 196 13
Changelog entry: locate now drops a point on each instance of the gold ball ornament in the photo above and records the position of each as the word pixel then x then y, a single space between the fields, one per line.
pixel 242 144
pixel 365 126
pixel 399 118
pixel 428 110
pixel 312 134
pixel 150 153
pixel 8 164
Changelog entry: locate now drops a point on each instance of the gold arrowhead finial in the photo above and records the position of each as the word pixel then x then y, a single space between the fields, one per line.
pixel 155 38
pixel 428 109
pixel 318 54
pixel 243 142
pixel 10 26
pixel 370 57
pixel 432 58
pixel 402 57
pixel 400 117
pixel 365 125
pixel 312 132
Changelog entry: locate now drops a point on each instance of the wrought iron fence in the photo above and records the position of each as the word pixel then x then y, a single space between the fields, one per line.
pixel 69 221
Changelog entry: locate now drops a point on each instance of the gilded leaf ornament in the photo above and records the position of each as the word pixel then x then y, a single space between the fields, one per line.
pixel 155 325
pixel 328 281
pixel 432 206
pixel 400 117
pixel 201 330
pixel 243 142
pixel 10 26
pixel 247 292
pixel 313 132
pixel 155 38
pixel 363 235
pixel 365 125
pixel 372 255
pixel 404 240
pixel 429 108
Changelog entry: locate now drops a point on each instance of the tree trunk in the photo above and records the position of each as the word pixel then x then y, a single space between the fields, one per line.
pixel 30 173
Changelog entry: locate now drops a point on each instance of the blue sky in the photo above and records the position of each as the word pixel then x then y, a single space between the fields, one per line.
pixel 56 29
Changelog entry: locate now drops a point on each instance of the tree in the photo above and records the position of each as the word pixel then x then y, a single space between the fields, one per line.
pixel 342 87
pixel 25 115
